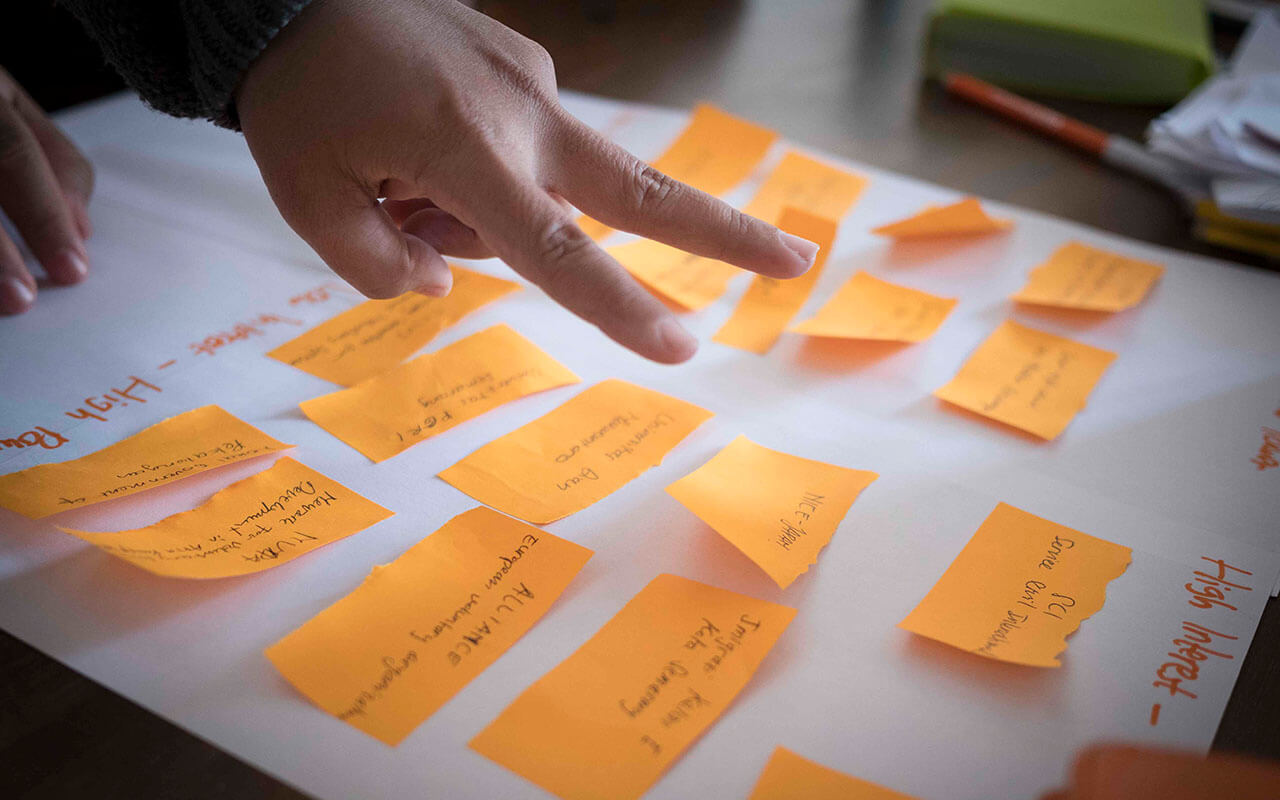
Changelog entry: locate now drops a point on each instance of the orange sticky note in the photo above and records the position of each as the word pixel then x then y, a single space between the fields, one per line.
pixel 808 185
pixel 714 153
pixel 869 308
pixel 1079 276
pixel 395 410
pixel 260 522
pixel 388 655
pixel 965 218
pixel 1019 588
pixel 788 776
pixel 377 335
pixel 691 282
pixel 201 439
pixel 780 510
pixel 573 456
pixel 1028 379
pixel 610 719
pixel 769 304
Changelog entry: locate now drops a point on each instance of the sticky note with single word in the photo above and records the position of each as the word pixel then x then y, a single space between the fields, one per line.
pixel 780 510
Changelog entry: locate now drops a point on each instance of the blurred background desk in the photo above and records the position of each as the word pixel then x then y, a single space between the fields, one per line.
pixel 843 77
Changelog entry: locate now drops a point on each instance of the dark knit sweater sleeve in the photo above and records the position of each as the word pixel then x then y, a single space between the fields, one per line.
pixel 185 57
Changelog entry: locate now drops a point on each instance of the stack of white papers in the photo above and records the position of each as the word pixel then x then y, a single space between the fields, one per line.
pixel 1228 130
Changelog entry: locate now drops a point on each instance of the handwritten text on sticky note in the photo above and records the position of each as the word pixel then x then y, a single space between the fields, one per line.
pixel 610 719
pixel 260 522
pixel 390 412
pixel 1079 276
pixel 573 456
pixel 201 439
pixel 377 335
pixel 1028 379
pixel 389 654
pixel 965 218
pixel 1018 588
pixel 869 308
pixel 778 509
pixel 769 304
pixel 788 776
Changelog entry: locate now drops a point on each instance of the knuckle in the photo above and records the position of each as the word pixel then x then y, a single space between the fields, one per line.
pixel 652 191
pixel 558 250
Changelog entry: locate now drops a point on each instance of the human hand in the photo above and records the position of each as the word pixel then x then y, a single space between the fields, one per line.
pixel 415 99
pixel 45 183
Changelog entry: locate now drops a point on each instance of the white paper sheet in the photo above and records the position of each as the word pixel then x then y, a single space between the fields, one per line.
pixel 187 245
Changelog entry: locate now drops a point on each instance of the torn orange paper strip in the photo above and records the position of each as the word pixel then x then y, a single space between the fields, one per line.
pixel 789 776
pixel 612 717
pixel 691 282
pixel 578 453
pixel 965 218
pixel 260 522
pixel 714 153
pixel 1018 588
pixel 769 304
pixel 377 335
pixel 780 510
pixel 808 185
pixel 1079 276
pixel 1028 379
pixel 202 439
pixel 869 308
pixel 393 411
pixel 388 655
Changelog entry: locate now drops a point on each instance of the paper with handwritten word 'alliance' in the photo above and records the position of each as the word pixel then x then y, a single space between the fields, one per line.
pixel 612 717
pixel 255 524
pixel 202 439
pixel 780 510
pixel 389 654
pixel 422 398
pixel 1019 588
pixel 578 453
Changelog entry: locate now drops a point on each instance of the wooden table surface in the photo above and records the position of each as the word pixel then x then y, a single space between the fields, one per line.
pixel 843 77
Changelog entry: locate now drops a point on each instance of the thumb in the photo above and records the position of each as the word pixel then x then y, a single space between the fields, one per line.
pixel 359 241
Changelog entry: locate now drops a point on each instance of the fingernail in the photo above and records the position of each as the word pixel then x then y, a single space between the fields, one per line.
pixel 435 289
pixel 676 340
pixel 806 250
pixel 68 266
pixel 15 296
